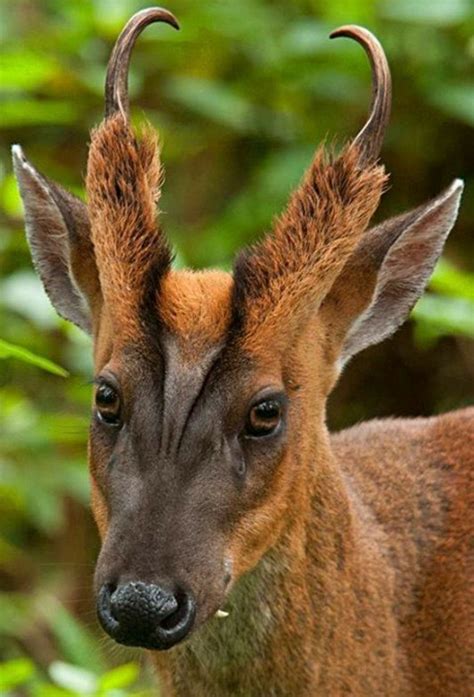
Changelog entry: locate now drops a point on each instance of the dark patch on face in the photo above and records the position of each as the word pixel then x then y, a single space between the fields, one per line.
pixel 207 379
pixel 149 314
pixel 172 485
pixel 244 281
pixel 246 287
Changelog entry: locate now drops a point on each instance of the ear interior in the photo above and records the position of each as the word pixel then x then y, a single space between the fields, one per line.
pixel 388 272
pixel 58 233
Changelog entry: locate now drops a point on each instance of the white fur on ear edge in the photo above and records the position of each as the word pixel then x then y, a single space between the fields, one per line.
pixel 52 218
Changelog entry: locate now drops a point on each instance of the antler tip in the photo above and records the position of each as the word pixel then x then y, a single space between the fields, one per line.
pixel 153 14
pixel 350 30
pixel 369 139
pixel 116 83
pixel 335 33
pixel 170 19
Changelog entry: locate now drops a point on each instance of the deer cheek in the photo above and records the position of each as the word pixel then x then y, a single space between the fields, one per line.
pixel 260 527
pixel 99 508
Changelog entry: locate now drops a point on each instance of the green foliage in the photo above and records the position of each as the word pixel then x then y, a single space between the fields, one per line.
pixel 450 309
pixel 66 680
pixel 8 350
pixel 241 96
pixel 15 673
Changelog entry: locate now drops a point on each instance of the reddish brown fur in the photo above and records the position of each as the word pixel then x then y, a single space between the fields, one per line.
pixel 296 265
pixel 195 307
pixel 374 526
pixel 352 569
pixel 339 564
pixel 123 186
pixel 364 588
pixel 353 573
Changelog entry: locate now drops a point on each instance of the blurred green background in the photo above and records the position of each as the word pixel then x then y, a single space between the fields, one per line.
pixel 241 97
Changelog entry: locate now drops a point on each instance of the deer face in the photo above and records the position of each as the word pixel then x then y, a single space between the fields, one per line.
pixel 209 387
pixel 190 448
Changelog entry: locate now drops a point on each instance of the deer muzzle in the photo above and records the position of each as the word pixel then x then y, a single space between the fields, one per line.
pixel 144 614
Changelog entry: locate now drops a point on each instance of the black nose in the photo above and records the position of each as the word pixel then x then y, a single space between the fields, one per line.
pixel 144 614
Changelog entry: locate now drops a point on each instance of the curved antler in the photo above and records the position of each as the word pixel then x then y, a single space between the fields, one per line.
pixel 370 137
pixel 116 83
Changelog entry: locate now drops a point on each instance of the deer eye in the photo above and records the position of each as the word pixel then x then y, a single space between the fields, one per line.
pixel 264 418
pixel 107 403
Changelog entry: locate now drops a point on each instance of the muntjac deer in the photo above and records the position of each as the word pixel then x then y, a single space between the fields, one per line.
pixel 251 551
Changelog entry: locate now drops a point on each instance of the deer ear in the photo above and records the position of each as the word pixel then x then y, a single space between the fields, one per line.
pixel 388 272
pixel 58 233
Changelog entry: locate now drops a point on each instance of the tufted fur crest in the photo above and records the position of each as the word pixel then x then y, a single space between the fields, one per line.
pixel 123 187
pixel 291 270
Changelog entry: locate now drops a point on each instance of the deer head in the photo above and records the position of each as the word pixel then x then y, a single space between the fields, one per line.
pixel 208 418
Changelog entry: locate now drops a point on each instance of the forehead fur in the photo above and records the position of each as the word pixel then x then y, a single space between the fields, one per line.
pixel 195 306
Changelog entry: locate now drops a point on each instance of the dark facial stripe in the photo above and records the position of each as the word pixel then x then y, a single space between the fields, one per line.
pixel 149 306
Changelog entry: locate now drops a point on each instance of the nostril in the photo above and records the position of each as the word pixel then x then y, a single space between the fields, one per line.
pixel 104 608
pixel 181 612
pixel 109 590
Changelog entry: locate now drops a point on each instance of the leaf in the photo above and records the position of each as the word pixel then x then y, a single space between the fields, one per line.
pixel 47 690
pixel 24 69
pixel 448 280
pixel 120 677
pixel 32 112
pixel 10 197
pixel 442 316
pixel 8 350
pixel 73 678
pixel 15 673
